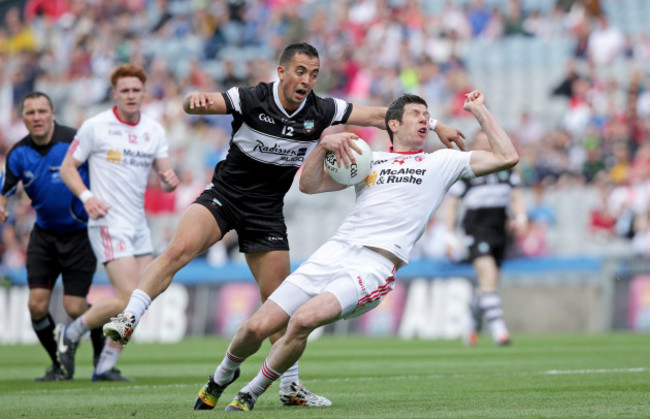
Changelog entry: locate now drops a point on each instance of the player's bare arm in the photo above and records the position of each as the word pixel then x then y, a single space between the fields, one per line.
pixel 449 136
pixel 314 177
pixel 166 173
pixel 4 214
pixel 203 103
pixel 368 116
pixel 95 207
pixel 503 154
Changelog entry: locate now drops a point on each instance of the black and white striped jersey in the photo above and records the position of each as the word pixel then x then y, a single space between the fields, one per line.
pixel 268 145
pixel 486 199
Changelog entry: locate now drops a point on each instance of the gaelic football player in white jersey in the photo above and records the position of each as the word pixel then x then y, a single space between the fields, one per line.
pixel 275 127
pixel 353 271
pixel 121 145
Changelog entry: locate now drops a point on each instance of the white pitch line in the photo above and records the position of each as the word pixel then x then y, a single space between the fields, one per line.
pixel 602 371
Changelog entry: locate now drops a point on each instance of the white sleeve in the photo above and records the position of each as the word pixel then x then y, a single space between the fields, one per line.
pixel 84 142
pixel 163 146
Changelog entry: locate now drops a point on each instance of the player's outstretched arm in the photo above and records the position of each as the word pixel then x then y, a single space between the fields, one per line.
pixel 503 154
pixel 203 103
pixel 314 177
pixel 95 207
pixel 368 116
pixel 375 116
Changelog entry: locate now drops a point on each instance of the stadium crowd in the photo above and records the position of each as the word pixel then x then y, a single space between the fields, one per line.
pixel 372 51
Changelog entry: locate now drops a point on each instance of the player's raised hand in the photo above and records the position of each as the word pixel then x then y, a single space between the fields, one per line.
pixel 473 100
pixel 341 145
pixel 449 135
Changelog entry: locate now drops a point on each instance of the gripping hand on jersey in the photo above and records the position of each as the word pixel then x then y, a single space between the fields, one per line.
pixel 341 144
pixel 96 208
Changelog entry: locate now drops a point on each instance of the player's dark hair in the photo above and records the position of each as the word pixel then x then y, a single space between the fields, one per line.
pixel 33 95
pixel 396 109
pixel 297 48
pixel 128 70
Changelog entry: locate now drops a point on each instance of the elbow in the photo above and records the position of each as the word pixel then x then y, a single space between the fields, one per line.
pixel 512 160
pixel 306 189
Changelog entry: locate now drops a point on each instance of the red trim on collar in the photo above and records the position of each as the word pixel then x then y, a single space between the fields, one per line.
pixel 406 152
pixel 124 122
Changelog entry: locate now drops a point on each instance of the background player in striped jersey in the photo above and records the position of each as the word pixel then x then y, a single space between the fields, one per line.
pixel 275 127
pixel 486 201
pixel 58 243
pixel 352 272
pixel 121 146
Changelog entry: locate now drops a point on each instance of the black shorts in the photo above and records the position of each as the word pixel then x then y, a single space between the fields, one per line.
pixel 70 255
pixel 256 232
pixel 484 243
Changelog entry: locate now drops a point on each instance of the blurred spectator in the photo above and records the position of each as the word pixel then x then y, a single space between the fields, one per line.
pixel 605 43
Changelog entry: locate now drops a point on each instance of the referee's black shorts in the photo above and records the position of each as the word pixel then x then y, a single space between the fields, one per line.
pixel 69 255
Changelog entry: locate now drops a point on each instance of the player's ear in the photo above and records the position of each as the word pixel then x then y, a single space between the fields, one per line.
pixel 392 124
pixel 281 71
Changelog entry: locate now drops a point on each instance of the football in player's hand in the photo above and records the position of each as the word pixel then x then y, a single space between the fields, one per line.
pixel 354 173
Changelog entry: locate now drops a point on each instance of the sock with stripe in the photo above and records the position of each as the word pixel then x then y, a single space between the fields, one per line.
pixel 261 382
pixel 44 329
pixel 226 370
pixel 493 313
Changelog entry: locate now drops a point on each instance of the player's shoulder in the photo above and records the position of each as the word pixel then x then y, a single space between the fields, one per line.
pixel 99 118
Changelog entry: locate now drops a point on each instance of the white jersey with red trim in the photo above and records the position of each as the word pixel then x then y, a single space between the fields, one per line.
pixel 401 194
pixel 120 156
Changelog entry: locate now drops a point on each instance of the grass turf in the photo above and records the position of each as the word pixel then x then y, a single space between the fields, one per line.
pixel 539 376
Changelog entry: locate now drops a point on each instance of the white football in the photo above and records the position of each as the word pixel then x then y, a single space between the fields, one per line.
pixel 356 172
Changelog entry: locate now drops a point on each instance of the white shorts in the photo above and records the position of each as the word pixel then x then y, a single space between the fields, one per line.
pixel 113 243
pixel 357 276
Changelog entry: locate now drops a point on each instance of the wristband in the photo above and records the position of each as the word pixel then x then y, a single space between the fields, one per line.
pixel 432 124
pixel 85 195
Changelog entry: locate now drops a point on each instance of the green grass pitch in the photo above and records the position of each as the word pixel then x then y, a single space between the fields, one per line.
pixel 540 376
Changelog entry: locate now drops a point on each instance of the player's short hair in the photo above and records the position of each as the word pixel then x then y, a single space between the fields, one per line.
pixel 396 109
pixel 33 95
pixel 128 70
pixel 297 48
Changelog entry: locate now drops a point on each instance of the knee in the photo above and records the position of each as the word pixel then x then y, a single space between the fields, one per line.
pixel 301 324
pixel 38 310
pixel 253 330
pixel 179 252
pixel 76 308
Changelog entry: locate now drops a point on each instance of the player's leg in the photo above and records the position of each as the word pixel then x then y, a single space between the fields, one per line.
pixel 247 340
pixel 269 270
pixel 123 274
pixel 42 271
pixel 43 325
pixel 487 272
pixel 285 352
pixel 197 230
